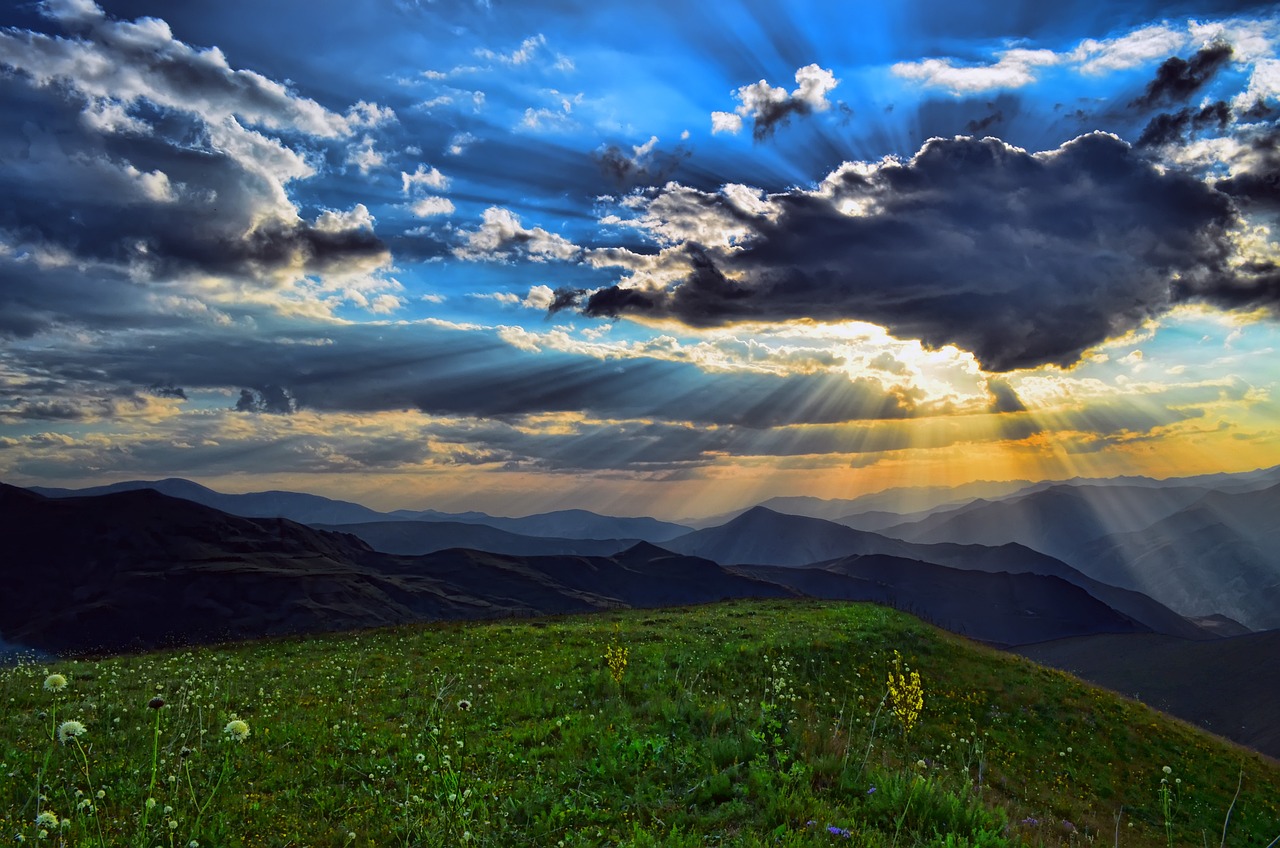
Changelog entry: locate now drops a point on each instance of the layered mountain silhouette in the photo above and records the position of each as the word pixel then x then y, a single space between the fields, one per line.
pixel 314 509
pixel 1197 551
pixel 137 569
pixel 415 538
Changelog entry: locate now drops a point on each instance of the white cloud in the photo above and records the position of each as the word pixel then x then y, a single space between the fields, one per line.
pixel 428 206
pixel 423 178
pixel 1128 51
pixel 459 143
pixel 1264 84
pixel 1014 69
pixel 335 221
pixel 520 56
pixel 501 235
pixel 726 122
pixel 364 156
pixel 766 105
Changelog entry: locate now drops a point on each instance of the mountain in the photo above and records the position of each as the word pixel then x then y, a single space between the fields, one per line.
pixel 138 569
pixel 1219 555
pixel 296 506
pixel 1003 608
pixel 316 510
pixel 1230 686
pixel 412 538
pixel 571 524
pixel 763 537
pixel 1058 520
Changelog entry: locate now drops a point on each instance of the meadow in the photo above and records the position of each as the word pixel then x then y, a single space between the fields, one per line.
pixel 788 723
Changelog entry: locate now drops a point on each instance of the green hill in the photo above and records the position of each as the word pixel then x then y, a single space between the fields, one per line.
pixel 745 723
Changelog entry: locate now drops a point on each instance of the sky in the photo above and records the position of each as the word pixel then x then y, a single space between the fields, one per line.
pixel 643 258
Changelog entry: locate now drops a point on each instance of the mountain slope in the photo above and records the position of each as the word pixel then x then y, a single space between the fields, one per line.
pixel 1230 686
pixel 1002 608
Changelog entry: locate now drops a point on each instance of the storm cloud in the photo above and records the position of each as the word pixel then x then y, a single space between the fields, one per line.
pixel 1023 259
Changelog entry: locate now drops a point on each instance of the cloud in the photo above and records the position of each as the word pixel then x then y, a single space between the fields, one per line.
pixel 1178 79
pixel 1022 259
pixel 644 165
pixel 459 142
pixel 768 107
pixel 1172 127
pixel 428 206
pixel 122 115
pixel 1135 48
pixel 522 55
pixel 1017 67
pixel 1013 69
pixel 501 237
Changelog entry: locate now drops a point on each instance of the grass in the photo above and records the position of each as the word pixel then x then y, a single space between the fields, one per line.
pixel 736 724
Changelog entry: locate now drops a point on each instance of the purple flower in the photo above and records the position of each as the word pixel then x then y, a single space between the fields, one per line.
pixel 837 831
pixel 871 791
pixel 1029 820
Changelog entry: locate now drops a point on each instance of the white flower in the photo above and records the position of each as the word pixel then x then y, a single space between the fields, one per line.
pixel 1168 770
pixel 47 819
pixel 69 730
pixel 55 683
pixel 237 730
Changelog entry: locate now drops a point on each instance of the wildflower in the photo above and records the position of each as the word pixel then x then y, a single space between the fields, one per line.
pixel 838 831
pixel 237 730
pixel 155 703
pixel 421 758
pixel 464 705
pixel 47 819
pixel 55 683
pixel 69 730
pixel 1031 821
pixel 1167 770
pixel 871 791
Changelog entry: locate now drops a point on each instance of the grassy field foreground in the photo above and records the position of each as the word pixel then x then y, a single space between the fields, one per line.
pixel 753 723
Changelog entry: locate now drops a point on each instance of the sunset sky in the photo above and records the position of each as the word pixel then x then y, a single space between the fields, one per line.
pixel 663 258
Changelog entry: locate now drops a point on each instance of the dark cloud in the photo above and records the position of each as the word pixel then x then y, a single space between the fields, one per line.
pixel 1003 397
pixel 1172 127
pixel 1256 181
pixel 642 167
pixel 457 373
pixel 270 399
pixel 976 125
pixel 1178 79
pixel 1021 259
pixel 175 392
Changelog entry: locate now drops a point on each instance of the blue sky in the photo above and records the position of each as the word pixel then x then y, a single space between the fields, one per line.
pixel 645 258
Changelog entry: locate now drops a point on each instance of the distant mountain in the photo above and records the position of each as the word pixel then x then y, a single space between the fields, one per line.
pixel 763 537
pixel 296 506
pixel 1058 520
pixel 1229 686
pixel 1219 555
pixel 315 510
pixel 413 538
pixel 139 569
pixel 572 524
pixel 1006 609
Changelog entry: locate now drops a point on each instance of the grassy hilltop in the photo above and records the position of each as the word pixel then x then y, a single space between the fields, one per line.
pixel 747 723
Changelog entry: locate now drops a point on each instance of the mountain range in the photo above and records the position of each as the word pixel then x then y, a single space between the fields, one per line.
pixel 1085 575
